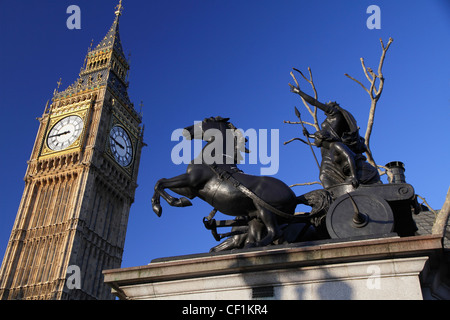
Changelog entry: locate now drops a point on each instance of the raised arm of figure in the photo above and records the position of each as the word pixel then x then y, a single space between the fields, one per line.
pixel 324 107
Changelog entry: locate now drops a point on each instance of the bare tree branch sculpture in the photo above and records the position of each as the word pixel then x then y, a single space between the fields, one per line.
pixel 374 93
pixel 306 184
pixel 311 109
pixel 442 217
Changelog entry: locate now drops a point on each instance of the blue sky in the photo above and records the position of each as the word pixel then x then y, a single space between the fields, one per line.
pixel 193 59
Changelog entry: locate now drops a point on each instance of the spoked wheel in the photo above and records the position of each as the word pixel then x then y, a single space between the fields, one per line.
pixel 358 214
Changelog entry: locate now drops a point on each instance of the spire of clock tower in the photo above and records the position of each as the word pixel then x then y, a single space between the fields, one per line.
pixel 112 38
pixel 105 65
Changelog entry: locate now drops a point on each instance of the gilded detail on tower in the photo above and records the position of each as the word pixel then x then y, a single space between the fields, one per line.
pixel 66 129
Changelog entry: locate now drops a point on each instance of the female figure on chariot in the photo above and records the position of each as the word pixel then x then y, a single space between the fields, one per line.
pixel 340 133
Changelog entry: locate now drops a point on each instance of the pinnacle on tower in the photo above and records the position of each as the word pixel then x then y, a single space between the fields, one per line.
pixel 112 38
pixel 119 8
pixel 104 65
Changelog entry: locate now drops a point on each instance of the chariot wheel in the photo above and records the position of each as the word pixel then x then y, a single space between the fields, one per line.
pixel 359 214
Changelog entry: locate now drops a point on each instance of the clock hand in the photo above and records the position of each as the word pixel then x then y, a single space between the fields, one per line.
pixel 59 134
pixel 121 146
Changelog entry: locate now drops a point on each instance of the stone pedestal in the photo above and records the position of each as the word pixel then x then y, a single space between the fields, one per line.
pixel 385 268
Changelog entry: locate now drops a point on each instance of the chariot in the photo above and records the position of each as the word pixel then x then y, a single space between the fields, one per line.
pixel 375 210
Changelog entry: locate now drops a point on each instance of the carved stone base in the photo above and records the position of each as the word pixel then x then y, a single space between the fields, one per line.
pixel 388 268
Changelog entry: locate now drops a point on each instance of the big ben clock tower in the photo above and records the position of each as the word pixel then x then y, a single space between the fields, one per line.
pixel 79 185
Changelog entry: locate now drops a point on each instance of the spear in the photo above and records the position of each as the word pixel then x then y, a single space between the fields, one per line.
pixel 297 113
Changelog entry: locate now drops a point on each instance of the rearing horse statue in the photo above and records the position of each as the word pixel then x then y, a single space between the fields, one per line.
pixel 213 177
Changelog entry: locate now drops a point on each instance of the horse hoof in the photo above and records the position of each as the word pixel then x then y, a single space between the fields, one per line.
pixel 157 209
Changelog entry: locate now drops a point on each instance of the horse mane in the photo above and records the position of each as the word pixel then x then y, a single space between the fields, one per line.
pixel 240 139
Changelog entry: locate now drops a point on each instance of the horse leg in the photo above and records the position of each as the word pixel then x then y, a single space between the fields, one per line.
pixel 180 181
pixel 271 225
pixel 233 242
pixel 156 206
pixel 256 230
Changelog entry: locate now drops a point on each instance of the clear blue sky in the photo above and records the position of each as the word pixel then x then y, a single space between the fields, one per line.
pixel 193 59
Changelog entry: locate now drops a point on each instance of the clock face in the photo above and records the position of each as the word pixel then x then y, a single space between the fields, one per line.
pixel 64 133
pixel 121 147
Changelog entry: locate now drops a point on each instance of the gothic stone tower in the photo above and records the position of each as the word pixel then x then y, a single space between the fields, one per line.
pixel 79 185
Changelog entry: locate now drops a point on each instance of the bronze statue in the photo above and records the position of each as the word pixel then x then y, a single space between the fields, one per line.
pixel 264 201
pixel 353 201
pixel 353 183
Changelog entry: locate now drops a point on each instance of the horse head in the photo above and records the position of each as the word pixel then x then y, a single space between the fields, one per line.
pixel 210 129
pixel 198 130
